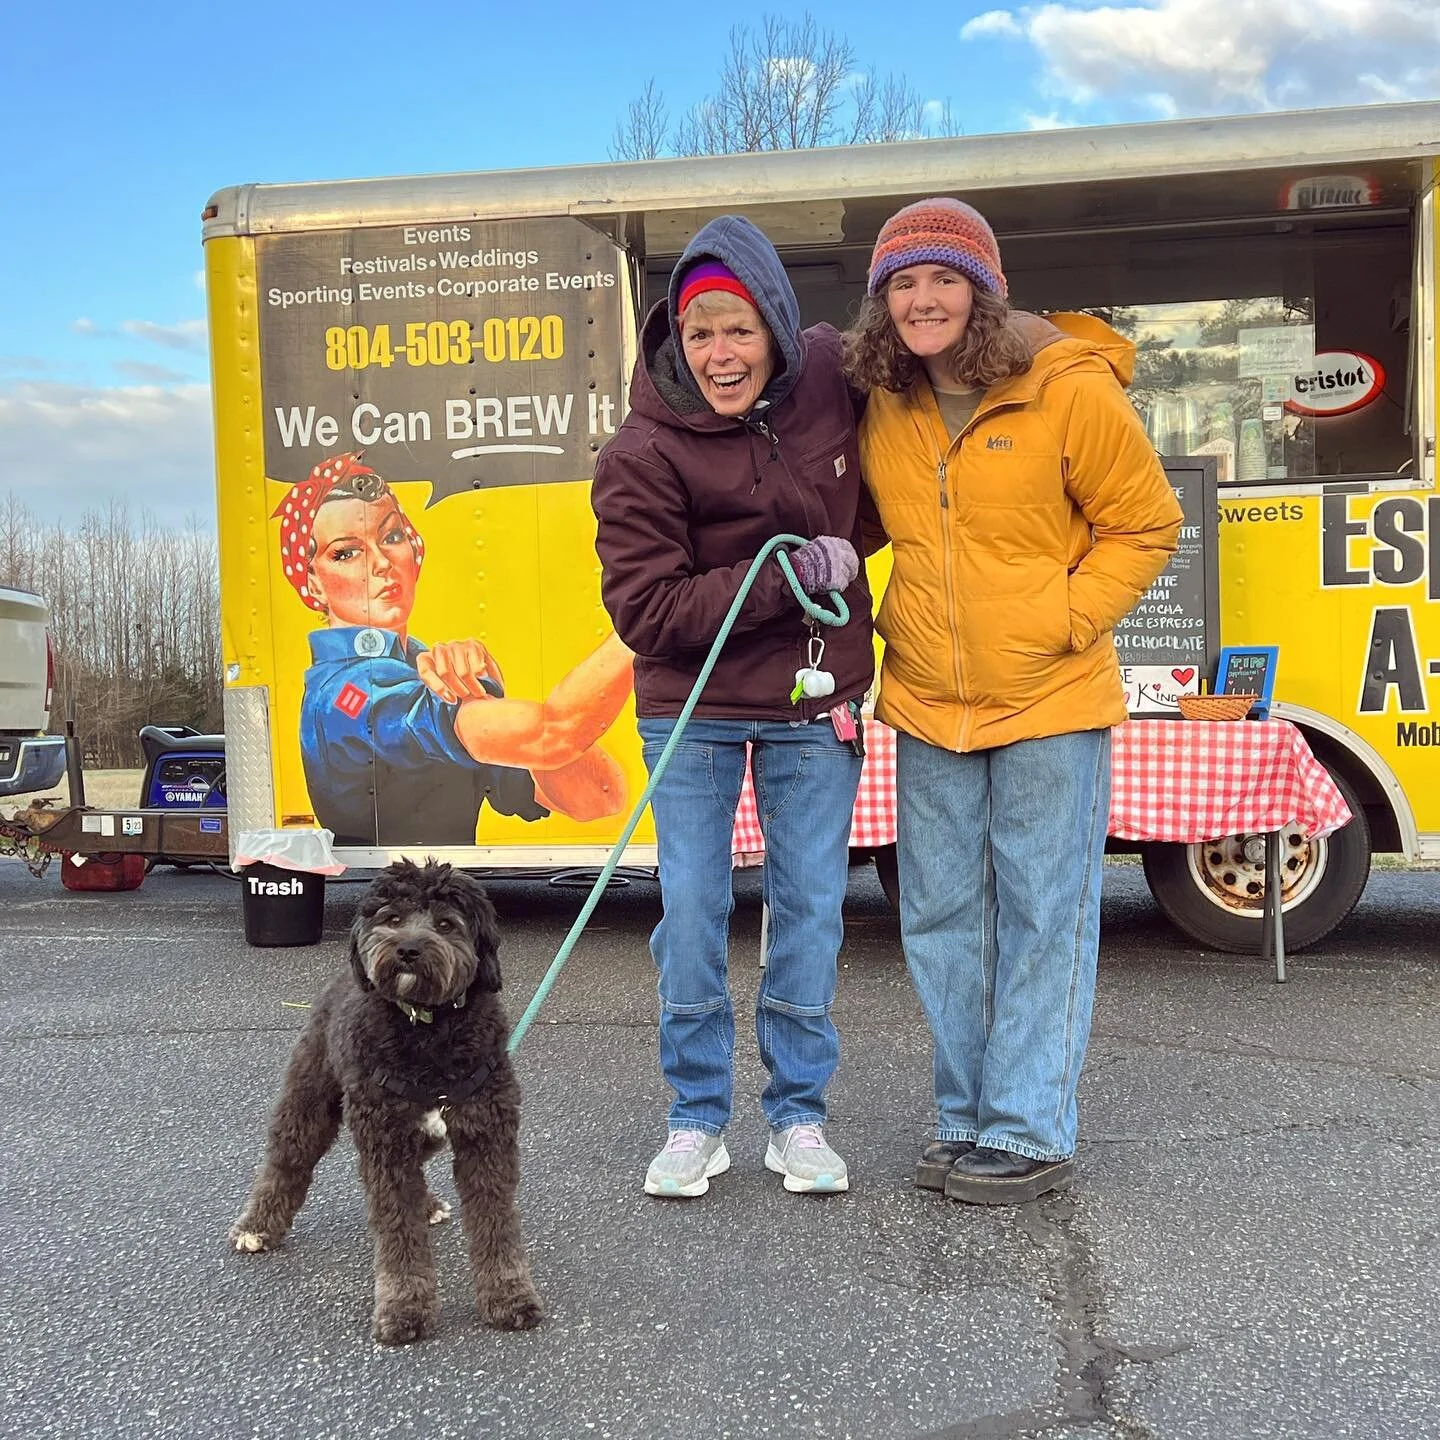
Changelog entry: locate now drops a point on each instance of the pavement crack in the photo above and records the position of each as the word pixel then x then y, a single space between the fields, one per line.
pixel 1088 1358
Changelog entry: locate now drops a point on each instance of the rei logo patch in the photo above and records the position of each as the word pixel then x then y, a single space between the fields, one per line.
pixel 999 442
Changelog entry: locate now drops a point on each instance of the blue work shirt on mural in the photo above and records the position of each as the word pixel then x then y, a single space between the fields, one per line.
pixel 382 761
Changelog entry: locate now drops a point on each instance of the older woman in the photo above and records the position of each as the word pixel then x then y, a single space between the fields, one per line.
pixel 1028 513
pixel 402 744
pixel 741 427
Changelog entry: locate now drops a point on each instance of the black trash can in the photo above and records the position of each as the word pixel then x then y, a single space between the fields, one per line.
pixel 282 907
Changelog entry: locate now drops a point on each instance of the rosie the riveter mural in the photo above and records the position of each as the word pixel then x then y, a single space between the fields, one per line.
pixel 434 397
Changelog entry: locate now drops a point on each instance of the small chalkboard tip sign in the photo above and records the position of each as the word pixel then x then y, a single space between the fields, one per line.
pixel 1248 670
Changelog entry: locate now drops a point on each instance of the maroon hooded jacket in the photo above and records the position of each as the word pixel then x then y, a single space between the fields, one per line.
pixel 685 499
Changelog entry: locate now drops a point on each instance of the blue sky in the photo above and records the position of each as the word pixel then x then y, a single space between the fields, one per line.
pixel 122 120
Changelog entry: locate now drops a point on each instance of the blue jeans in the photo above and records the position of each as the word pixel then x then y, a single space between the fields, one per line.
pixel 805 783
pixel 1000 862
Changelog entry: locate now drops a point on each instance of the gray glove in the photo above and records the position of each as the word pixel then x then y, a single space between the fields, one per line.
pixel 825 563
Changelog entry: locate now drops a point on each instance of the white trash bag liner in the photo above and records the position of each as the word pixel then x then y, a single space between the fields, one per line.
pixel 308 850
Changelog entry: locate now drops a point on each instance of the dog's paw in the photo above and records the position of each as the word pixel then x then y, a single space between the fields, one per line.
pixel 514 1312
pixel 402 1325
pixel 248 1241
pixel 437 1211
pixel 432 1123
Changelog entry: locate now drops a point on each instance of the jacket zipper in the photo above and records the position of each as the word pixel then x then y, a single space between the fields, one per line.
pixel 941 475
pixel 806 710
pixel 763 429
pixel 967 713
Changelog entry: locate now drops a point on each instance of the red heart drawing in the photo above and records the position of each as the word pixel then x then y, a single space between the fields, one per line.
pixel 1185 676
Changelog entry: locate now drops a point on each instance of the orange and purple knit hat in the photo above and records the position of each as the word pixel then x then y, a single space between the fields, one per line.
pixel 940 231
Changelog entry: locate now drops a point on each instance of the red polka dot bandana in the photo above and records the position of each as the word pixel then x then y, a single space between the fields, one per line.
pixel 296 513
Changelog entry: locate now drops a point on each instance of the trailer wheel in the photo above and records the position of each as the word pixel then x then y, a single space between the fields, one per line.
pixel 887 867
pixel 1215 892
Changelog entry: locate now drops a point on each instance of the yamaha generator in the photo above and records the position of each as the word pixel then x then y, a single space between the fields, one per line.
pixel 184 770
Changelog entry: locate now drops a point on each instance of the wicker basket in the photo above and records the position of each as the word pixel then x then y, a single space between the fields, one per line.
pixel 1216 707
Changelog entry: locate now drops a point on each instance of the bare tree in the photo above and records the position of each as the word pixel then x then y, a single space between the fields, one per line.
pixel 891 109
pixel 134 617
pixel 788 86
pixel 641 134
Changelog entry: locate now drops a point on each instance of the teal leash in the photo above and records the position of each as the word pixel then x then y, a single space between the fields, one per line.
pixel 839 616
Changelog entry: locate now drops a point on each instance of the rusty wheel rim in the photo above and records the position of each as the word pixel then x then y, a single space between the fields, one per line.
pixel 1230 872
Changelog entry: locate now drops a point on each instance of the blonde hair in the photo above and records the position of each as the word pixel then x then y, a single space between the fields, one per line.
pixel 990 350
pixel 711 303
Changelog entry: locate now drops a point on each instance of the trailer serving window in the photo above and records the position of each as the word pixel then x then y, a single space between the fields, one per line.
pixel 1273 311
pixel 1281 349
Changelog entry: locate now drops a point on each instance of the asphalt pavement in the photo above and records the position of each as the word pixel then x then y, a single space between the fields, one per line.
pixel 1249 1251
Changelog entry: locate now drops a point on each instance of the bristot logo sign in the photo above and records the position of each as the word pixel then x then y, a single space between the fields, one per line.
pixel 1338 382
pixel 1330 192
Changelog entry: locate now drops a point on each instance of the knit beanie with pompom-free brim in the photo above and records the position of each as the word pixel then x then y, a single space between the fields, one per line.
pixel 940 231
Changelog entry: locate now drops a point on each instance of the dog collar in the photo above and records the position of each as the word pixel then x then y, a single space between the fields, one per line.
pixel 418 1014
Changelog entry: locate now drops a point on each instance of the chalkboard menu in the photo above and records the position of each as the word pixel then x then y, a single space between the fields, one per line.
pixel 1170 641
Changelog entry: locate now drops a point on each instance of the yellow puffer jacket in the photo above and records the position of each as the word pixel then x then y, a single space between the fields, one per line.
pixel 1019 546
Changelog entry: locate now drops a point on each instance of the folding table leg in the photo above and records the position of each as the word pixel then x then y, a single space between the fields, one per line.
pixel 1272 927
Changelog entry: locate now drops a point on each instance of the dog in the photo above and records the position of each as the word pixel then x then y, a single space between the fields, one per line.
pixel 408 1047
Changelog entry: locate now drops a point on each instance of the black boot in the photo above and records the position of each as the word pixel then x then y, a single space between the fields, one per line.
pixel 936 1159
pixel 1001 1177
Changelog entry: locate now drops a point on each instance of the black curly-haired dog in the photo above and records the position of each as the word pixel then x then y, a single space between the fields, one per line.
pixel 411 1028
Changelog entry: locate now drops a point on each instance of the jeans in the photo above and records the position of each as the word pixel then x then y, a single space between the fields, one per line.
pixel 1000 857
pixel 805 783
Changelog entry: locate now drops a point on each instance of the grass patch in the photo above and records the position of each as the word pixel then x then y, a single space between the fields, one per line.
pixel 104 789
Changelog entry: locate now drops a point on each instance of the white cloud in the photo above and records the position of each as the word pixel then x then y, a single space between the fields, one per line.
pixel 25 364
pixel 183 335
pixel 1052 121
pixel 186 335
pixel 992 22
pixel 64 448
pixel 1197 57
pixel 148 374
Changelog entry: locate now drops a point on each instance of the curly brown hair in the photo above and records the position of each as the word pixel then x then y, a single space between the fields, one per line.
pixel 990 349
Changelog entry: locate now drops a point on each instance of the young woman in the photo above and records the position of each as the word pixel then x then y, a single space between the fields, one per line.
pixel 1027 513
pixel 741 427
pixel 402 744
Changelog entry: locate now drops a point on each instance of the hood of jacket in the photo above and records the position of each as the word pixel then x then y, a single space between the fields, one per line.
pixel 1062 341
pixel 736 243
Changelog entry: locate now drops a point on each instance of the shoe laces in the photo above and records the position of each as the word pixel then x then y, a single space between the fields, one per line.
pixel 682 1142
pixel 807 1137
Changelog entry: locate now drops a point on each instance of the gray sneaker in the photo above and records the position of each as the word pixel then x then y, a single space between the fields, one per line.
pixel 684 1167
pixel 801 1155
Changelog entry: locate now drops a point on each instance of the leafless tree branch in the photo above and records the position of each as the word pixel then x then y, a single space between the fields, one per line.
pixel 787 86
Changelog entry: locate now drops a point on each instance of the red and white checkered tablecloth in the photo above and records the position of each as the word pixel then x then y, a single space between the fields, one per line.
pixel 1172 780
pixel 1189 780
